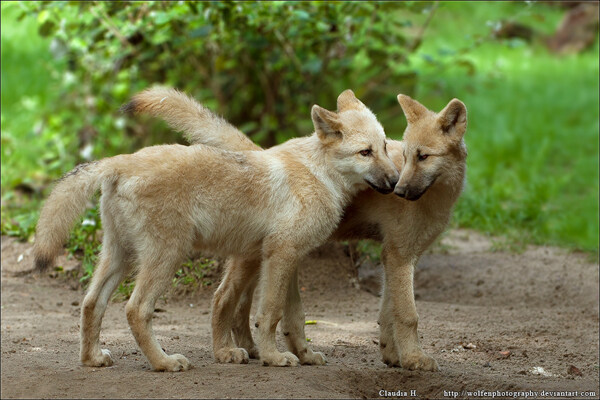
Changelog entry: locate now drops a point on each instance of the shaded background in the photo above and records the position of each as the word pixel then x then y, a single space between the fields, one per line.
pixel 527 71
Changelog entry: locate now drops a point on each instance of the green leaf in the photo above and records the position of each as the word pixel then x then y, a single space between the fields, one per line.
pixel 47 28
pixel 161 18
pixel 203 31
pixel 43 16
pixel 313 66
pixel 301 15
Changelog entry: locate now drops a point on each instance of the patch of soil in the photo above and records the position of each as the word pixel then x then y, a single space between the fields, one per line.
pixel 495 321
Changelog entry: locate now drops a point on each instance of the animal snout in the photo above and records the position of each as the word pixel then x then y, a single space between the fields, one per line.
pixel 405 192
pixel 388 184
pixel 393 180
pixel 401 191
pixel 384 183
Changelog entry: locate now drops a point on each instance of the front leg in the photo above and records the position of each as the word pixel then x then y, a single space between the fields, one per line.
pixel 387 343
pixel 279 267
pixel 399 319
pixel 292 325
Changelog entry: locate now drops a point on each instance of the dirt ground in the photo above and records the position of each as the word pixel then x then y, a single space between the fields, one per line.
pixel 532 319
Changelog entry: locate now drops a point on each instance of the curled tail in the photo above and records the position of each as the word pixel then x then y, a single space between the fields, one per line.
pixel 65 204
pixel 184 114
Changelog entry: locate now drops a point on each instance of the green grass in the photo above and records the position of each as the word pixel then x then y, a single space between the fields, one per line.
pixel 30 79
pixel 30 154
pixel 533 124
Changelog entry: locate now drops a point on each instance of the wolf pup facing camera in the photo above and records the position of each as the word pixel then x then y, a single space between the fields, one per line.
pixel 162 202
pixel 432 161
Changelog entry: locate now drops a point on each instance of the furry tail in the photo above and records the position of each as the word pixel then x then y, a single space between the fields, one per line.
pixel 65 204
pixel 184 114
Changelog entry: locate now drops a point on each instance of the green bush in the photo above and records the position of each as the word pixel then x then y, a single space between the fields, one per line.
pixel 262 65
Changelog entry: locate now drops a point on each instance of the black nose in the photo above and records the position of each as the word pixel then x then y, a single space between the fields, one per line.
pixel 393 181
pixel 406 193
pixel 401 191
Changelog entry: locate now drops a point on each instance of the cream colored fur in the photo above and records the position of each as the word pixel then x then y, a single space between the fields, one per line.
pixel 163 202
pixel 406 228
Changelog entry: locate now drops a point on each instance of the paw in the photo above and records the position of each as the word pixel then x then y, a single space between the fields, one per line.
pixel 173 363
pixel 253 352
pixel 232 355
pixel 389 355
pixel 276 359
pixel 419 361
pixel 312 358
pixel 101 359
pixel 249 346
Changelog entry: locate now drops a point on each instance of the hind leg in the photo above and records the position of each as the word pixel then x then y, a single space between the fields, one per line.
pixel 292 325
pixel 239 274
pixel 151 282
pixel 109 273
pixel 242 334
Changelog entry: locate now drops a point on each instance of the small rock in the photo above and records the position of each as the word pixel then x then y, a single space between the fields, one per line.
pixel 75 303
pixel 540 371
pixel 469 346
pixel 573 370
pixel 487 365
pixel 504 354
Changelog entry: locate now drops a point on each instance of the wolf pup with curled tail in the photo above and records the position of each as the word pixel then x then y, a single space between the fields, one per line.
pixel 432 161
pixel 162 202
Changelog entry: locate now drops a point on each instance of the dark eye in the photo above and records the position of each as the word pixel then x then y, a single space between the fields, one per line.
pixel 422 157
pixel 365 153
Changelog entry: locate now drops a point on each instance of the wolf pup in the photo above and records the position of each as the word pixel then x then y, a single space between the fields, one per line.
pixel 162 202
pixel 432 161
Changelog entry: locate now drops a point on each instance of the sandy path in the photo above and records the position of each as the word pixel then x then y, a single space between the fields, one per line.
pixel 541 306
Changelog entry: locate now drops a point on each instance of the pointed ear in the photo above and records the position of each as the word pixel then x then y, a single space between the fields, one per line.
pixel 348 101
pixel 453 118
pixel 412 108
pixel 327 124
